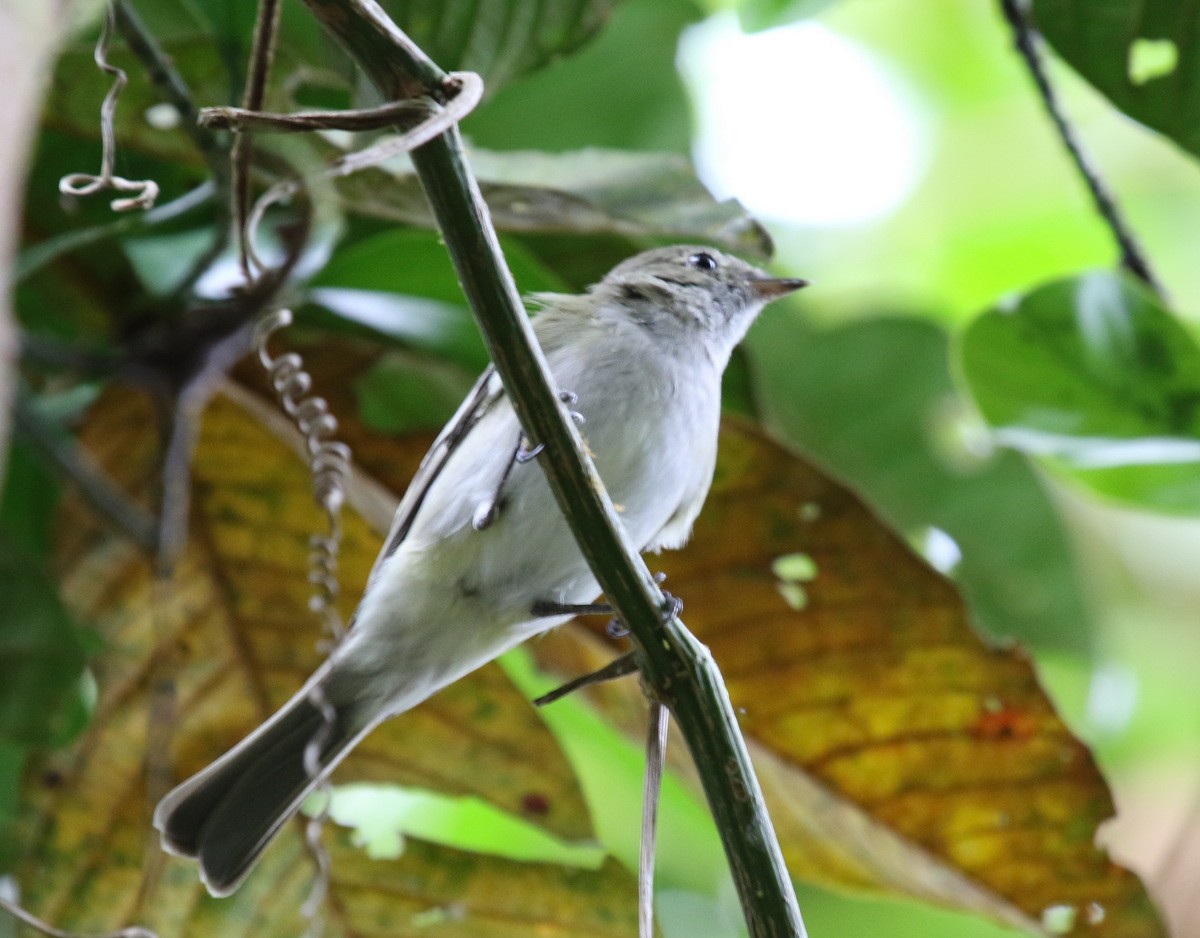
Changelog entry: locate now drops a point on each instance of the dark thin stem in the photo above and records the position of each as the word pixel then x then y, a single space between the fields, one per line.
pixel 236 118
pixel 214 149
pixel 266 25
pixel 170 84
pixel 679 670
pixel 94 485
pixel 656 757
pixel 1028 44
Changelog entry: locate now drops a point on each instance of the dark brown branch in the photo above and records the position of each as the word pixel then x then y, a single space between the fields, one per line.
pixel 236 118
pixel 266 24
pixel 1028 42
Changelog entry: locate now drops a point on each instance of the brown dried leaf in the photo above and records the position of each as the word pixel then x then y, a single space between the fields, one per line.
pixel 227 644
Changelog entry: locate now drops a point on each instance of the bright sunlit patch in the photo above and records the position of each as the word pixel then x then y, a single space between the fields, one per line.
pixel 1152 58
pixel 799 123
pixel 1112 697
pixel 792 571
pixel 1058 919
pixel 941 550
pixel 383 815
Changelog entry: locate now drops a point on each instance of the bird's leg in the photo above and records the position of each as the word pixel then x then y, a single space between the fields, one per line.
pixel 615 629
pixel 547 607
pixel 543 608
pixel 618 667
pixel 489 510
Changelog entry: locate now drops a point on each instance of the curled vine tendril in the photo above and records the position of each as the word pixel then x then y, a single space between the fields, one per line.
pixel 329 463
pixel 328 459
pixel 84 184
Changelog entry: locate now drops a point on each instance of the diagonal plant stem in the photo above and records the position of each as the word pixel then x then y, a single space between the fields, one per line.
pixel 1028 44
pixel 174 90
pixel 165 77
pixel 656 758
pixel 266 24
pixel 678 668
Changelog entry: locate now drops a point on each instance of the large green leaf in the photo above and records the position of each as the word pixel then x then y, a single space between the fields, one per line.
pixel 1093 372
pixel 41 656
pixel 874 400
pixel 41 651
pixel 400 283
pixel 620 91
pixel 638 195
pixel 1111 42
pixel 499 39
pixel 41 648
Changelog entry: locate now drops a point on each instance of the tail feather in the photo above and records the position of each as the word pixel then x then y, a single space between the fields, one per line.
pixel 226 814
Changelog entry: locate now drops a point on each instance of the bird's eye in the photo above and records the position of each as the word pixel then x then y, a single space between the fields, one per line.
pixel 703 261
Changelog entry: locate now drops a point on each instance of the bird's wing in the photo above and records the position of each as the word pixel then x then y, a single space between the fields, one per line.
pixel 555 326
pixel 482 398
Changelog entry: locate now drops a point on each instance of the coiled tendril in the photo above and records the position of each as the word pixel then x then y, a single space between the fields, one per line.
pixel 328 459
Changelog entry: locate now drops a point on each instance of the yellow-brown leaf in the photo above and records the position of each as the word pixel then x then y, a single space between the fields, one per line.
pixel 899 752
pixel 230 640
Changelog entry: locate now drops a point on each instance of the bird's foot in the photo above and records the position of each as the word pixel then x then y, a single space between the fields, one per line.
pixel 618 667
pixel 544 608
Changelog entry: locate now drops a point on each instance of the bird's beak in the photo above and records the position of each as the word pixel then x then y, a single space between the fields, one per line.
pixel 769 288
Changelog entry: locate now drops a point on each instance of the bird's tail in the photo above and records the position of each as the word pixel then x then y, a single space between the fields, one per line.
pixel 226 814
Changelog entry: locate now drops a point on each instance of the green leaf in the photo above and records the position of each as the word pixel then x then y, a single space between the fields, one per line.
pixel 639 195
pixel 1145 57
pixel 621 91
pixel 383 815
pixel 416 263
pixel 874 401
pixel 12 760
pixel 1093 372
pixel 401 393
pixel 499 39
pixel 756 15
pixel 402 284
pixel 42 698
pixel 27 501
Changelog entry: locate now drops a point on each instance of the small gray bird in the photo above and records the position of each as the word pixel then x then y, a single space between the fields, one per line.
pixel 479 558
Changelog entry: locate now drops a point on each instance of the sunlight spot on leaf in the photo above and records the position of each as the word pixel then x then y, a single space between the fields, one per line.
pixel 794 570
pixel 793 594
pixel 162 116
pixel 439 915
pixel 1058 919
pixel 940 549
pixel 1151 58
pixel 794 567
pixel 1112 697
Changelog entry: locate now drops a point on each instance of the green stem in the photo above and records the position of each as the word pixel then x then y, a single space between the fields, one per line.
pixel 679 670
pixel 170 84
